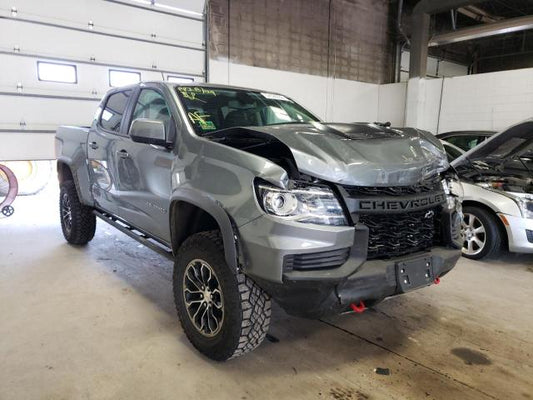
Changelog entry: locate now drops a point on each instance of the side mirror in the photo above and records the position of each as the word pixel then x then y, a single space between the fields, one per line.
pixel 149 131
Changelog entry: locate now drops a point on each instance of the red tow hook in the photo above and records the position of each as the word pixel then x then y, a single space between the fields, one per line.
pixel 436 281
pixel 358 308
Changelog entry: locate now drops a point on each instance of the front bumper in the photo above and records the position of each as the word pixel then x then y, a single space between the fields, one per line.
pixel 372 282
pixel 265 244
pixel 517 228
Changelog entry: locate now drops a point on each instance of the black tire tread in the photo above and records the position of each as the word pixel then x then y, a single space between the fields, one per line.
pixel 255 303
pixel 83 219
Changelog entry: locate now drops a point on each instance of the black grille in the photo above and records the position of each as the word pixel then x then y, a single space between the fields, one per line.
pixel 529 235
pixel 321 260
pixel 431 185
pixel 392 235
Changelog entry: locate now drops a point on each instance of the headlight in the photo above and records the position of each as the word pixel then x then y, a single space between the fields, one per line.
pixel 454 192
pixel 523 200
pixel 526 206
pixel 303 203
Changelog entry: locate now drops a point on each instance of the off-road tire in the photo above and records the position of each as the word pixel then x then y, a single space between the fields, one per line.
pixel 83 223
pixel 493 239
pixel 246 306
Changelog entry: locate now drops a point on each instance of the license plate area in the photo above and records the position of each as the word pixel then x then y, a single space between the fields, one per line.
pixel 412 274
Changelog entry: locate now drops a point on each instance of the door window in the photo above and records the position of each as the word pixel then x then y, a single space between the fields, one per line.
pixel 111 116
pixel 151 105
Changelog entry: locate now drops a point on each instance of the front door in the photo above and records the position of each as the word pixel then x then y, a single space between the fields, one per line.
pixel 144 171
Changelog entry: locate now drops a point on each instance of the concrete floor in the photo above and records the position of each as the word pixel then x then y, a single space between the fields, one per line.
pixel 99 323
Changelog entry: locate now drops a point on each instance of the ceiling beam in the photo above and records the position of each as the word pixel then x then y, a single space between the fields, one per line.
pixel 478 14
pixel 420 35
pixel 482 31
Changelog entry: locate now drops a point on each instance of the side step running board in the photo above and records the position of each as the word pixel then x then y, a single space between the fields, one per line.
pixel 132 232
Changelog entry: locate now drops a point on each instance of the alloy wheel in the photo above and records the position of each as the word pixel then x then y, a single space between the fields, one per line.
pixel 66 212
pixel 475 235
pixel 203 298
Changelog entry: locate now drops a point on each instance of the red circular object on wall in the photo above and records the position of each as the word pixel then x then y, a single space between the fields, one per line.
pixel 13 186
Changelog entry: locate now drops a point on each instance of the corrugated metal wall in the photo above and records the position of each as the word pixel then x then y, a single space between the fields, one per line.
pixel 347 39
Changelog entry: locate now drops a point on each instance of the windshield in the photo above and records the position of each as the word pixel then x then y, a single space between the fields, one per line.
pixel 211 109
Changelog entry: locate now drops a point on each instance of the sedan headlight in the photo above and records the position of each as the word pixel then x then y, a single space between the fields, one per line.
pixel 526 206
pixel 315 204
pixel 454 192
pixel 523 200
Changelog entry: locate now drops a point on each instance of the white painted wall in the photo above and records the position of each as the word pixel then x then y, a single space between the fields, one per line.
pixel 423 103
pixel 491 101
pixel 391 103
pixel 435 68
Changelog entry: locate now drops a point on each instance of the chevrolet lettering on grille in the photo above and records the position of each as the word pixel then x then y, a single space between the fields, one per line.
pixel 374 205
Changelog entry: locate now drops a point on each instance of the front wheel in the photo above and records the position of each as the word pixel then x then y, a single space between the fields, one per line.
pixel 77 220
pixel 482 235
pixel 223 312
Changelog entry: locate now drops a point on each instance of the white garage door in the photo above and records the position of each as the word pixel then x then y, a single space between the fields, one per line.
pixel 58 57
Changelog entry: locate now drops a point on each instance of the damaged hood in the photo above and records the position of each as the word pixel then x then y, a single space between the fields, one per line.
pixel 356 154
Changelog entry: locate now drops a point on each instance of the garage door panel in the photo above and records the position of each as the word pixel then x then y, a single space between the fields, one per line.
pixel 111 17
pixel 39 113
pixel 26 146
pixel 93 80
pixel 59 42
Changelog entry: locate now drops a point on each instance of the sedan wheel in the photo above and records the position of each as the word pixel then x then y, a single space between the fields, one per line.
pixel 475 235
pixel 482 233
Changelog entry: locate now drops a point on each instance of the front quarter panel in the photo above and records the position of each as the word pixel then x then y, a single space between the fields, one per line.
pixel 497 202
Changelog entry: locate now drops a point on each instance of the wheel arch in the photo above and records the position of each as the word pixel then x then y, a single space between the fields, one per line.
pixel 190 215
pixel 68 170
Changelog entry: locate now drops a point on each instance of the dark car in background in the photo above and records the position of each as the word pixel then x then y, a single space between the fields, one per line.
pixel 465 140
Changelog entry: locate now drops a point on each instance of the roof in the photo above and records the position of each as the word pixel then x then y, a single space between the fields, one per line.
pixel 210 85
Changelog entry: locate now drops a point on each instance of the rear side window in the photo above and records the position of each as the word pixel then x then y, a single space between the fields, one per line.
pixel 111 116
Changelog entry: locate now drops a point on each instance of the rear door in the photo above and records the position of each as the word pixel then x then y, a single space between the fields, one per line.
pixel 104 138
pixel 144 170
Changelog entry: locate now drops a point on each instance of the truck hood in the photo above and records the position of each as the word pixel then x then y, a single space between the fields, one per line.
pixel 358 154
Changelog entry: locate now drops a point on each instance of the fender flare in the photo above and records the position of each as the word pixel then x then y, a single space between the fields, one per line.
pixel 213 208
pixel 80 176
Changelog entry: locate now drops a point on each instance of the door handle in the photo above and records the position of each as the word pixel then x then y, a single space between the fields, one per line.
pixel 94 145
pixel 123 154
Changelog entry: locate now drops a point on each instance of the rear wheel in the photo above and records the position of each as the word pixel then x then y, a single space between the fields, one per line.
pixel 223 312
pixel 77 220
pixel 482 235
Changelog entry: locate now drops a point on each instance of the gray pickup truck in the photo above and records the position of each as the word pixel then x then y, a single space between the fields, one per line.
pixel 254 198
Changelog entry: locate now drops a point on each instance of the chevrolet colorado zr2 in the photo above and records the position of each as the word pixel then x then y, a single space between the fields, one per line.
pixel 255 198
